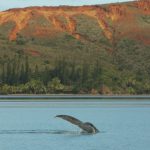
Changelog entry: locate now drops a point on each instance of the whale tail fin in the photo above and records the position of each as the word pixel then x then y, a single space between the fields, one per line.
pixel 70 119
pixel 86 127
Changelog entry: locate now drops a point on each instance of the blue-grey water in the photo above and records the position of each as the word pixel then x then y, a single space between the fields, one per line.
pixel 123 125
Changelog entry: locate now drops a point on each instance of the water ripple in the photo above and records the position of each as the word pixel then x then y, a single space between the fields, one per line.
pixel 44 132
pixel 38 132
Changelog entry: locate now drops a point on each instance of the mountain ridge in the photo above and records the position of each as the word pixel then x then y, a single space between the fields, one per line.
pixel 114 13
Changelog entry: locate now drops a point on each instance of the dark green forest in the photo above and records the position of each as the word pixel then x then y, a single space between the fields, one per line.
pixel 126 70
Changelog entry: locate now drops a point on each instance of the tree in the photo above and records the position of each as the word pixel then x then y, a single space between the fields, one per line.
pixel 14 74
pixel 46 76
pixel 35 87
pixel 3 73
pixel 26 69
pixel 6 89
pixel 55 86
pixel 8 73
pixel 97 75
pixel 20 40
pixel 22 74
pixel 36 73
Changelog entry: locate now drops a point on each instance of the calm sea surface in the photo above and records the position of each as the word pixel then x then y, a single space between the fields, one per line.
pixel 123 125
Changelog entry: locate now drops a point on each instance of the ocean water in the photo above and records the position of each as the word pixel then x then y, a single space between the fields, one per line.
pixel 123 125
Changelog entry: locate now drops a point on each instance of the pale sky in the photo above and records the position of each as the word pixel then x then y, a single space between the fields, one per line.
pixel 6 4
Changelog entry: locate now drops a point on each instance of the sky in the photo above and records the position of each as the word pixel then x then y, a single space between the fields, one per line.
pixel 7 4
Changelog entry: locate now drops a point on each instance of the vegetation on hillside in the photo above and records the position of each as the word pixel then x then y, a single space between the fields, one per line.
pixel 125 72
pixel 101 50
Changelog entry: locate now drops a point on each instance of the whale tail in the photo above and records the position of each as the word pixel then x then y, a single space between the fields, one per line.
pixel 86 127
pixel 70 119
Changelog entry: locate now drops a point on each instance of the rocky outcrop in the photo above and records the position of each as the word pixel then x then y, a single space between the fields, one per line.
pixel 117 12
pixel 102 20
pixel 106 16
pixel 144 5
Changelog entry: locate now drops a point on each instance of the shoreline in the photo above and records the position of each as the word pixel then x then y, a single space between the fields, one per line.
pixel 59 97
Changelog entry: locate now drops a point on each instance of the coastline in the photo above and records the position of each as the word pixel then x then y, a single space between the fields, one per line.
pixel 70 97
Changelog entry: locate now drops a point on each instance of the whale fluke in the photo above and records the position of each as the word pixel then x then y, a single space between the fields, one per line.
pixel 87 127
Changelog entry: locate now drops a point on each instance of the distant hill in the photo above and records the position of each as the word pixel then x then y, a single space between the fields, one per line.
pixel 117 36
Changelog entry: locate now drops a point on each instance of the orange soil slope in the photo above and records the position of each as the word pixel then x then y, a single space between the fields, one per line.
pixel 110 17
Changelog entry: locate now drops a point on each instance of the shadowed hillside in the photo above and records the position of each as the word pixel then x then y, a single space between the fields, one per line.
pixel 88 49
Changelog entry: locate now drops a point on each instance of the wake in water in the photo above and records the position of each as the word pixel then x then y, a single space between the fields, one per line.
pixel 39 132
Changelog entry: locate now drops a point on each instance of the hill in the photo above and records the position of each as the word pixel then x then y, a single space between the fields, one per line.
pixel 87 49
